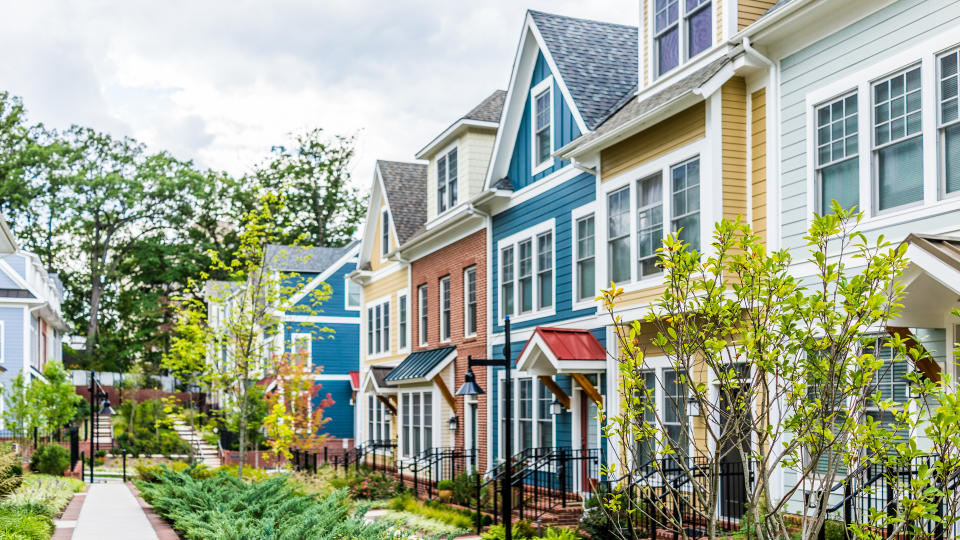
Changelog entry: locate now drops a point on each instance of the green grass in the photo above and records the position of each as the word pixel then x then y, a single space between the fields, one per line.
pixel 456 518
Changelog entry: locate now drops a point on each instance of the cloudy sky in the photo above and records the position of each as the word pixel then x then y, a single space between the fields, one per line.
pixel 220 81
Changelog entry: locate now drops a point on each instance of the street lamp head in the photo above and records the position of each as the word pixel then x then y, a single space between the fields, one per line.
pixel 470 386
pixel 556 408
pixel 693 407
pixel 453 422
pixel 106 409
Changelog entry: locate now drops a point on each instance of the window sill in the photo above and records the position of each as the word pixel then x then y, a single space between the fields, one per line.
pixel 537 169
pixel 530 316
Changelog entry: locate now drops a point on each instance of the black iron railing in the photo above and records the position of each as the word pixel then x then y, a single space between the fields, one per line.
pixel 381 454
pixel 433 465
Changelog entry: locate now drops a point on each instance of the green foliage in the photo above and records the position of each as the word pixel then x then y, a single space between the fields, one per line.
pixel 151 473
pixel 11 471
pixel 50 459
pixel 143 429
pixel 45 404
pixel 372 486
pixel 465 489
pixel 445 485
pixel 559 533
pixel 522 530
pixel 227 508
pixel 21 524
pixel 27 514
pixel 433 510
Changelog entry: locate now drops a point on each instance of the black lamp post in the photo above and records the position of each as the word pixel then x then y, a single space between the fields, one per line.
pixel 96 392
pixel 471 388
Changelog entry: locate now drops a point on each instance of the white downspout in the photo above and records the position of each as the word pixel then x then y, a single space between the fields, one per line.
pixel 773 109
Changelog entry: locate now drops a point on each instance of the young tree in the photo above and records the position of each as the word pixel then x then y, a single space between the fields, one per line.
pixel 20 413
pixel 782 372
pixel 294 420
pixel 57 398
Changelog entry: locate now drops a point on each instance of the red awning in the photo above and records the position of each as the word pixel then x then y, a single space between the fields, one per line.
pixel 354 380
pixel 568 343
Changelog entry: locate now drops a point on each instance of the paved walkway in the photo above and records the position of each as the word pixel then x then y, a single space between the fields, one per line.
pixel 110 511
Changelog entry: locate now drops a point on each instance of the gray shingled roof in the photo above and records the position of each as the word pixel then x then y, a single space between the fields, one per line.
pixel 418 364
pixel 597 61
pixel 15 293
pixel 489 109
pixel 633 108
pixel 380 375
pixel 305 259
pixel 406 186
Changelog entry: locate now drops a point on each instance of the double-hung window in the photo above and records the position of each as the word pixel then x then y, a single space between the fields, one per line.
pixel 445 308
pixel 542 127
pixel 533 420
pixel 447 181
pixel 675 412
pixel 618 234
pixel 405 420
pixel 417 422
pixel 378 328
pixel 545 270
pixel 525 263
pixel 402 320
pixel 385 233
pixel 301 346
pixel 354 292
pixel 370 323
pixel 507 278
pixel 677 35
pixel 424 319
pixel 649 224
pixel 525 413
pixel 838 171
pixel 378 420
pixel 470 301
pixel 586 259
pixel 897 140
pixel 949 121
pixel 686 201
pixel 544 416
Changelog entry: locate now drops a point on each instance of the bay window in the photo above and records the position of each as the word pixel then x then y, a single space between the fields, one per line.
pixel 897 140
pixel 586 259
pixel 838 171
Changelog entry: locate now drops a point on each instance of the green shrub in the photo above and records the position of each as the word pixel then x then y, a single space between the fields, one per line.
pixel 150 473
pixel 11 472
pixel 140 429
pixel 522 530
pixel 20 524
pixel 445 485
pixel 100 453
pixel 465 489
pixel 560 533
pixel 250 473
pixel 44 494
pixel 223 507
pixel 373 486
pixel 50 459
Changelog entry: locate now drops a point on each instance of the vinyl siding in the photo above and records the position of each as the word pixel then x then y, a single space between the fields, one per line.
pixel 758 159
pixel 6 282
pixel 340 413
pixel 564 126
pixel 335 304
pixel 555 204
pixel 645 48
pixel 748 11
pixel 477 148
pixel 879 35
pixel 717 7
pixel 18 263
pixel 733 98
pixel 13 346
pixel 335 347
pixel 387 285
pixel 683 128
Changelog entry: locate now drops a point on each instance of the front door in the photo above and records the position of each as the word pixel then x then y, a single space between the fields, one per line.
pixel 734 433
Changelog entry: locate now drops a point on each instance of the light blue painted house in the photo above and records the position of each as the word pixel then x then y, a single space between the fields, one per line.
pixel 568 76
pixel 327 332
pixel 31 320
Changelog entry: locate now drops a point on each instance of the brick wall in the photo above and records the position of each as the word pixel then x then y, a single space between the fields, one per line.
pixel 452 261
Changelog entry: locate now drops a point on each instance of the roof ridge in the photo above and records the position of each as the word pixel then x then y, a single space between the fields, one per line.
pixel 549 14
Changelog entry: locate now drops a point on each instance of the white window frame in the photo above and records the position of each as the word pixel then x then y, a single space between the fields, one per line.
pixel 3 345
pixel 451 199
pixel 403 316
pixel 515 412
pixel 445 310
pixel 818 196
pixel 630 178
pixel 406 415
pixel 941 127
pixel 382 302
pixel 925 54
pixel 546 85
pixel 346 301
pixel 683 53
pixel 576 215
pixel 378 417
pixel 385 231
pixel 471 270
pixel 514 240
pixel 296 338
pixel 875 148
pixel 423 314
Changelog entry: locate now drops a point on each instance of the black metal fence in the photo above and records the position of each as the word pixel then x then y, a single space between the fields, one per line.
pixel 435 464
pixel 380 455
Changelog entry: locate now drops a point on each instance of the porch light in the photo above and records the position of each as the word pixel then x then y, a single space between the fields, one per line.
pixel 106 409
pixel 470 386
pixel 693 407
pixel 453 422
pixel 556 408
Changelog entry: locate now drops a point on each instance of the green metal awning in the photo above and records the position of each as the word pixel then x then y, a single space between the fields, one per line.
pixel 421 365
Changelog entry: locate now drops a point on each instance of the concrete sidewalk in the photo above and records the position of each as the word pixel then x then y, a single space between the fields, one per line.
pixel 111 511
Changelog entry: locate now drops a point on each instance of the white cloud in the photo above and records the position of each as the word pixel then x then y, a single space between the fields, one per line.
pixel 221 81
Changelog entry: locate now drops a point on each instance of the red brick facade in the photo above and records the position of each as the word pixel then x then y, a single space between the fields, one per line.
pixel 453 260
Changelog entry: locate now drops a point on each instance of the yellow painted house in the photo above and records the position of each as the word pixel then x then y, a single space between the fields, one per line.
pixel 686 151
pixel 397 210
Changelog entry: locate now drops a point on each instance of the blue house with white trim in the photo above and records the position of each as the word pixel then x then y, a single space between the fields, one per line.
pixel 324 324
pixel 568 76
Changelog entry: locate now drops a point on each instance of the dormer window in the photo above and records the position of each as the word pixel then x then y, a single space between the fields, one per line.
pixel 542 127
pixel 674 41
pixel 447 181
pixel 385 233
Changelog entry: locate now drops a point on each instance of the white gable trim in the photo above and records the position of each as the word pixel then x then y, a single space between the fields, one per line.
pixel 15 277
pixel 531 42
pixel 374 211
pixel 344 259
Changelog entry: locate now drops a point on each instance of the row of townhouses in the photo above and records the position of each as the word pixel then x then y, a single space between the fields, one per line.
pixel 607 138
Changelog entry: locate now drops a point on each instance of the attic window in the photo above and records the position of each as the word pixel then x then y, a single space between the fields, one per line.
pixel 385 233
pixel 681 30
pixel 542 124
pixel 447 181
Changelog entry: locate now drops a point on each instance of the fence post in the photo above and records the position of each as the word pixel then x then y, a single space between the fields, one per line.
pixel 563 477
pixel 83 465
pixel 124 458
pixel 479 506
pixel 325 461
pixel 891 502
pixel 847 507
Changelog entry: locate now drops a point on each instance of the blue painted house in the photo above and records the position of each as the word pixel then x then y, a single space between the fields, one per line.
pixel 323 323
pixel 568 76
pixel 31 320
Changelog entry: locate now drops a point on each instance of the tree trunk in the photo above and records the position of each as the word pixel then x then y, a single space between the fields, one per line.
pixel 96 293
pixel 243 430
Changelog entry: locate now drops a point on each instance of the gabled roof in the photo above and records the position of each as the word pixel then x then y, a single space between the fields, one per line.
pixel 16 293
pixel 305 259
pixel 406 190
pixel 489 109
pixel 597 61
pixel 562 350
pixel 380 375
pixel 944 248
pixel 486 116
pixel 418 365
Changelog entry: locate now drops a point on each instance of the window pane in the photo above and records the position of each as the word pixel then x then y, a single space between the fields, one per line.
pixel 668 51
pixel 698 30
pixel 545 270
pixel 618 205
pixel 649 223
pixel 587 279
pixel 403 322
pixel 837 123
pixel 686 200
pixel 544 417
pixel 840 182
pixel 445 308
pixel 620 260
pixel 951 153
pixel 526 275
pixel 585 238
pixel 674 411
pixel 386 327
pixel 542 126
pixel 900 174
pixel 895 102
pixel 647 446
pixel 525 413
pixel 452 177
pixel 415 421
pixel 427 420
pixel 585 258
pixel 406 424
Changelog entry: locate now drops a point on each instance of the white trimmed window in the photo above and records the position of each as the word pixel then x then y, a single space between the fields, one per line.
pixel 378 328
pixel 422 309
pixel 949 121
pixel 649 224
pixel 378 420
pixel 682 29
pixel 354 292
pixel 470 301
pixel 897 140
pixel 618 235
pixel 533 423
pixel 586 258
pixel 385 233
pixel 838 171
pixel 527 272
pixel 447 181
pixel 686 202
pixel 542 123
pixel 301 347
pixel 402 316
pixel 417 420
pixel 445 308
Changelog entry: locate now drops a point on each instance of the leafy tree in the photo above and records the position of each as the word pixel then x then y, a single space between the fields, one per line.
pixel 58 399
pixel 294 421
pixel 20 413
pixel 319 201
pixel 782 372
